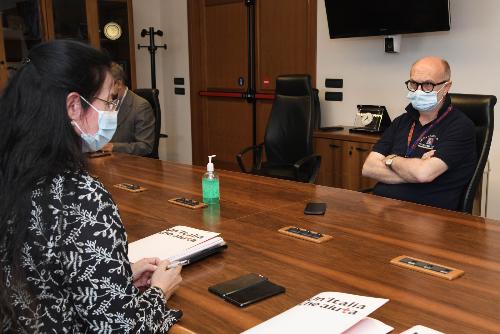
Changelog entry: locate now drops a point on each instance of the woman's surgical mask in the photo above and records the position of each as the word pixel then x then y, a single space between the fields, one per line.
pixel 423 101
pixel 107 123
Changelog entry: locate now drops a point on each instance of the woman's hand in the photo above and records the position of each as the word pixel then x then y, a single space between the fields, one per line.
pixel 142 271
pixel 168 280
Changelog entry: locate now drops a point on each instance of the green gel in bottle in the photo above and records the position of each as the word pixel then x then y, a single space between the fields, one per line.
pixel 210 184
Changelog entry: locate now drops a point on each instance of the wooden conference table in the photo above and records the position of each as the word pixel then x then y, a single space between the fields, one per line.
pixel 368 232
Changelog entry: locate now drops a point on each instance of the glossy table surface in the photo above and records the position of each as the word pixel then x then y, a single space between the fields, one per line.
pixel 368 231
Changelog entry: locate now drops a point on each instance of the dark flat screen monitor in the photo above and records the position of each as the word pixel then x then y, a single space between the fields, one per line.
pixel 354 18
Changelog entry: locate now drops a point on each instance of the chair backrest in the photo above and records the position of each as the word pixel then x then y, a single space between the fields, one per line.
pixel 151 95
pixel 289 130
pixel 479 108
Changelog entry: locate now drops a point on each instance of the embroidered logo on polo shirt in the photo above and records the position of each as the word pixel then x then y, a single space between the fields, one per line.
pixel 428 142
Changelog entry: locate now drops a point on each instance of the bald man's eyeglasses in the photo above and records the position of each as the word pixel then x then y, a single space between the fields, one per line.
pixel 427 86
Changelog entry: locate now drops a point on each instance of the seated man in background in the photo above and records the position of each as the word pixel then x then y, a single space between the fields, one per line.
pixel 136 119
pixel 428 154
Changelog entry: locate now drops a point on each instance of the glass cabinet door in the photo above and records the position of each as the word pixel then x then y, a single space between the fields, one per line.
pixel 101 23
pixel 70 20
pixel 114 33
pixel 21 30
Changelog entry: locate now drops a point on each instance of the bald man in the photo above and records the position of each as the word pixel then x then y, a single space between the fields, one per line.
pixel 428 154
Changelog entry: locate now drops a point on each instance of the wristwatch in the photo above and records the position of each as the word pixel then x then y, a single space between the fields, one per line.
pixel 389 160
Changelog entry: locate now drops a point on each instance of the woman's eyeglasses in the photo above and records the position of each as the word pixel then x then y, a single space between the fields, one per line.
pixel 110 105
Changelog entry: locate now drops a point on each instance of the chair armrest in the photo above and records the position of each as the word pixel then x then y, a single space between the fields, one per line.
pixel 317 162
pixel 257 149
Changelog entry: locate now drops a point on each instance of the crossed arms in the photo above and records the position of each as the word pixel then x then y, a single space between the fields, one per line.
pixel 404 170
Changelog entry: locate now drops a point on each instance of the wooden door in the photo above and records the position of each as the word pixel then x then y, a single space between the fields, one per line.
pixel 218 59
pixel 285 44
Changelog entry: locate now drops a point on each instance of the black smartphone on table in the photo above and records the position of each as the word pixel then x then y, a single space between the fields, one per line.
pixel 315 209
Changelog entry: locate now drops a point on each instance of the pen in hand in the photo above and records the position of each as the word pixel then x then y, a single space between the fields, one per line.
pixel 177 263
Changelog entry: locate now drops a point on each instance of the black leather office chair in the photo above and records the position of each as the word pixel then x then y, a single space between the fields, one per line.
pixel 479 108
pixel 288 139
pixel 151 95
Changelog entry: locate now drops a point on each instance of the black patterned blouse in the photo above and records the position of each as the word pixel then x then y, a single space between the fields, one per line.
pixel 79 278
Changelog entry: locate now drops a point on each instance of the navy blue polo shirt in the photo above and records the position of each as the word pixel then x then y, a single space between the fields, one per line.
pixel 454 140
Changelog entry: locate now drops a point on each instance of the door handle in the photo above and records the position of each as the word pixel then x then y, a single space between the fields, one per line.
pixel 334 146
pixel 361 149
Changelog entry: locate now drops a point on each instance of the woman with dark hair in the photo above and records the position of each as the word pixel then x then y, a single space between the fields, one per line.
pixel 63 249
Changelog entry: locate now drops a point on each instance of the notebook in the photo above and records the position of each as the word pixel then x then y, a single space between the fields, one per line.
pixel 327 313
pixel 177 243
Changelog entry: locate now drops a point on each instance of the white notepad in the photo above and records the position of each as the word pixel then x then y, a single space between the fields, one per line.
pixel 174 244
pixel 327 313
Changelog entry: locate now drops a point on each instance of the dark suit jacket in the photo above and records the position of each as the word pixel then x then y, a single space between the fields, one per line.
pixel 136 126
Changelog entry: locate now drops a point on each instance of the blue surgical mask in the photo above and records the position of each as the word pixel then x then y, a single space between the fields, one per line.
pixel 107 122
pixel 423 101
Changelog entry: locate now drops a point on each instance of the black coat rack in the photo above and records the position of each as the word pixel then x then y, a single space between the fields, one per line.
pixel 152 47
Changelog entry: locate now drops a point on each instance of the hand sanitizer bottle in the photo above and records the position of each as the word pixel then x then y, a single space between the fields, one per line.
pixel 210 184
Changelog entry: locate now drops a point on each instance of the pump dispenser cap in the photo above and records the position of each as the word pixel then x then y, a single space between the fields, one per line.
pixel 210 165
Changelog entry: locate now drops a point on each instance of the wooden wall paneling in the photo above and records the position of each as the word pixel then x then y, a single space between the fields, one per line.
pixel 3 60
pixel 286 40
pixel 93 23
pixel 47 19
pixel 312 16
pixel 131 42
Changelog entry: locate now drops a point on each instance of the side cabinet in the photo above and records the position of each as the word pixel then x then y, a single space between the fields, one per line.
pixel 343 155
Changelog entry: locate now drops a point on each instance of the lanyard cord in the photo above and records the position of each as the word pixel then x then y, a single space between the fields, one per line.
pixel 411 148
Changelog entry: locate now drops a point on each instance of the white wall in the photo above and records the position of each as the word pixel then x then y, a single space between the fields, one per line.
pixel 170 16
pixel 371 76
